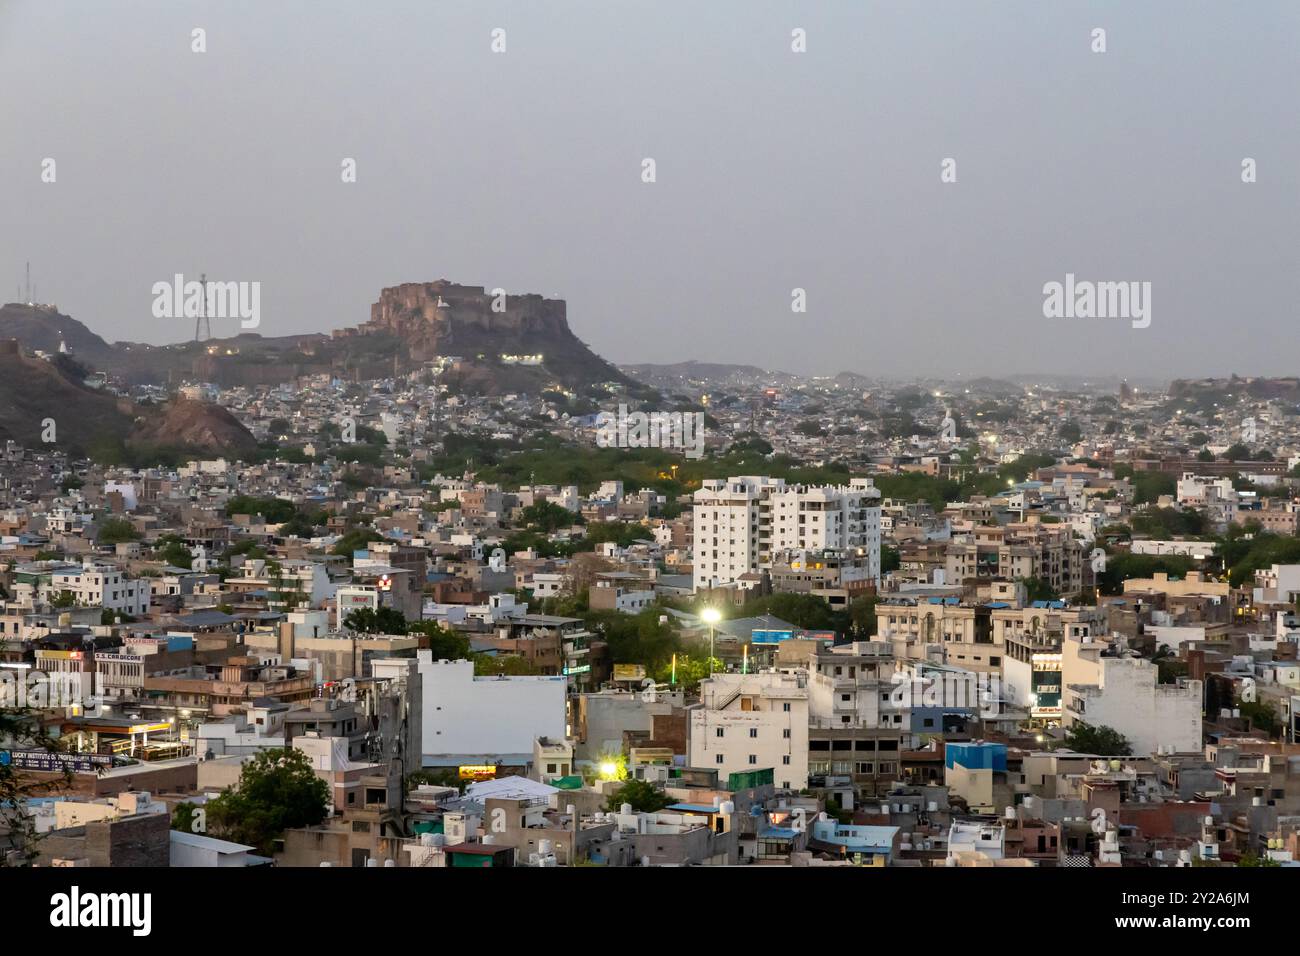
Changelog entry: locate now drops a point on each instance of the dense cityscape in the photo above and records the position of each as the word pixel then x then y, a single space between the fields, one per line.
pixel 865 623
pixel 751 440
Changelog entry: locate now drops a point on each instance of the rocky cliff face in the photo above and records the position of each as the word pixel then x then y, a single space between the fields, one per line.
pixel 183 423
pixel 435 317
pixel 523 345
pixel 445 319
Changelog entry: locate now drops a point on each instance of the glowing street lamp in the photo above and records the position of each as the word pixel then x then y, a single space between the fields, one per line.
pixel 711 616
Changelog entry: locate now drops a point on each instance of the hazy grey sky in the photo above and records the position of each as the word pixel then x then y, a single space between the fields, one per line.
pixel 775 170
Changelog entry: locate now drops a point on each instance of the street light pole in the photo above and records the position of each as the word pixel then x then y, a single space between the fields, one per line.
pixel 712 616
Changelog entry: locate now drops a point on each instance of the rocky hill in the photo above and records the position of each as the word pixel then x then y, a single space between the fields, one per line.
pixel 525 346
pixel 1223 389
pixel 43 398
pixel 43 327
pixel 523 335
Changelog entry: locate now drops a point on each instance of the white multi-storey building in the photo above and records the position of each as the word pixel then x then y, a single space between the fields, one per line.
pixel 747 722
pixel 741 523
pixel 102 585
pixel 1128 698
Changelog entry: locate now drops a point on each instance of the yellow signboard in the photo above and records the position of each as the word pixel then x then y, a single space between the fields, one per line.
pixel 477 772
pixel 629 672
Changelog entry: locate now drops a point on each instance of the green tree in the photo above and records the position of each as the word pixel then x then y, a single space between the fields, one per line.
pixel 173 551
pixel 1102 741
pixel 511 665
pixel 639 638
pixel 183 817
pixel 21 729
pixel 643 796
pixel 1262 716
pixel 385 620
pixel 1039 590
pixel 116 531
pixel 802 610
pixel 863 614
pixel 354 539
pixel 689 671
pixel 1251 858
pixel 272 510
pixel 278 790
pixel 446 644
pixel 547 516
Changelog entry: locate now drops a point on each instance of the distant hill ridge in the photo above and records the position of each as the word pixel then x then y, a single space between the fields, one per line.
pixel 507 342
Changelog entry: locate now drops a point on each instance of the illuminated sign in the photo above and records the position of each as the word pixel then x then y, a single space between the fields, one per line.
pixel 149 728
pixel 578 669
pixel 477 772
pixel 54 762
pixel 770 637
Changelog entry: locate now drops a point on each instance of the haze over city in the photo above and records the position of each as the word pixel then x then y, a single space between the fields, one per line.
pixel 775 171
pixel 622 436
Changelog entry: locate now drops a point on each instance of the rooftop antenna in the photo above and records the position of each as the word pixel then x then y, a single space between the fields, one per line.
pixel 27 289
pixel 203 324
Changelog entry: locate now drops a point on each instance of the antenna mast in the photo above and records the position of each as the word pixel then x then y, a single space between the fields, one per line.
pixel 203 324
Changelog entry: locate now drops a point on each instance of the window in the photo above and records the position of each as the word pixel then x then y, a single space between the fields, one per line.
pixel 785 707
pixel 753 759
pixel 786 733
pixel 753 732
pixel 785 760
pixel 718 732
pixel 719 759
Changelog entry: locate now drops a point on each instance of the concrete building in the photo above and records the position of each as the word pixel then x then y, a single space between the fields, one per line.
pixel 1127 697
pixel 485 720
pixel 91 584
pixel 867 845
pixel 603 721
pixel 742 524
pixel 745 722
pixel 196 850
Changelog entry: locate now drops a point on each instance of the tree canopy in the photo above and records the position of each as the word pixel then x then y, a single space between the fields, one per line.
pixel 278 790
